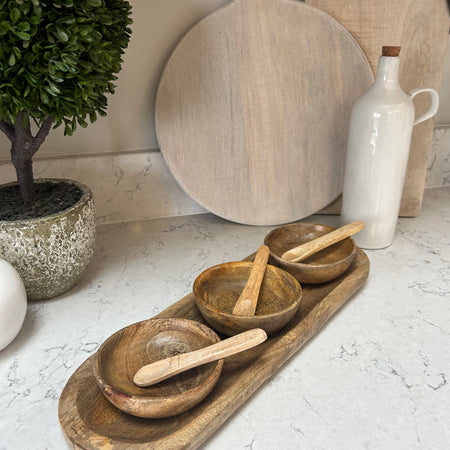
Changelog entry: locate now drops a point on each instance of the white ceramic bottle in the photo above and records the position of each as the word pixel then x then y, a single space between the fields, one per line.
pixel 381 125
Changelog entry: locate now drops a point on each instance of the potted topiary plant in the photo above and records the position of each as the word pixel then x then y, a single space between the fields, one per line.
pixel 58 60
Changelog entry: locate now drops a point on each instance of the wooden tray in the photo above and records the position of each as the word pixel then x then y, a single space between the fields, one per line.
pixel 89 421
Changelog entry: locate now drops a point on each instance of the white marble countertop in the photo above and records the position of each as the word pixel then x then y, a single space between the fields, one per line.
pixel 375 377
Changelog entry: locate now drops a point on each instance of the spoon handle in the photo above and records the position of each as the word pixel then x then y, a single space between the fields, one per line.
pixel 246 304
pixel 301 252
pixel 166 368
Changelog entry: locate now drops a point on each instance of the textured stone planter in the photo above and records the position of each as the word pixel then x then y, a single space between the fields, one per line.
pixel 51 253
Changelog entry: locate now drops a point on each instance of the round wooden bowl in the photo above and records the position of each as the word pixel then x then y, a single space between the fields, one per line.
pixel 123 353
pixel 321 267
pixel 218 288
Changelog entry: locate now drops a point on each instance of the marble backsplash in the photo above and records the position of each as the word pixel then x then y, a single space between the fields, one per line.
pixel 135 186
pixel 126 187
pixel 438 172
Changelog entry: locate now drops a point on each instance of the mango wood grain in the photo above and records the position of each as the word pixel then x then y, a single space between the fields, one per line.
pixel 323 266
pixel 217 288
pixel 253 107
pixel 301 252
pixel 166 368
pixel 89 421
pixel 421 29
pixel 248 300
pixel 122 354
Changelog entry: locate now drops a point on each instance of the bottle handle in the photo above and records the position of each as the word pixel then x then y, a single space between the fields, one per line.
pixel 434 104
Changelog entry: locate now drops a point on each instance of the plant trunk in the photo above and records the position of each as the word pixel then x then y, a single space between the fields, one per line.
pixel 24 146
pixel 24 172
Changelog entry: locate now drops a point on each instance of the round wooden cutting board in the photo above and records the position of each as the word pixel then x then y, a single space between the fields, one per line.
pixel 253 108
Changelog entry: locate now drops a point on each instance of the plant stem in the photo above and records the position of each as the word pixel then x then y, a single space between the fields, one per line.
pixel 24 172
pixel 24 146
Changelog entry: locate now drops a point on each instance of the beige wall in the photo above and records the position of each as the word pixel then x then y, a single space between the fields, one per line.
pixel 158 25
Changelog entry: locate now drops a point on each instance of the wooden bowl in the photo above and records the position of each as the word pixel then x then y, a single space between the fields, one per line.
pixel 218 288
pixel 123 353
pixel 324 266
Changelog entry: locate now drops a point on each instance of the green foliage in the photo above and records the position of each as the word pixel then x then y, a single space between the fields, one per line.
pixel 60 58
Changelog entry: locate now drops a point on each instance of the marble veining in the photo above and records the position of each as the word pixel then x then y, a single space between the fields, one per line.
pixel 438 170
pixel 376 377
pixel 126 187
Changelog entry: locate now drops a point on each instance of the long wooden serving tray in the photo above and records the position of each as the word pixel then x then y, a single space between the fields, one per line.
pixel 89 421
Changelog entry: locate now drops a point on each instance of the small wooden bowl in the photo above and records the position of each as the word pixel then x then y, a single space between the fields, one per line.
pixel 325 265
pixel 123 353
pixel 218 288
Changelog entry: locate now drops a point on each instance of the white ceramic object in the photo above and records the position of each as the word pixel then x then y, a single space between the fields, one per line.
pixel 13 303
pixel 380 132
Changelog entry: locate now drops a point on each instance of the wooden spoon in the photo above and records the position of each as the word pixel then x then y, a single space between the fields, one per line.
pixel 301 252
pixel 166 368
pixel 247 301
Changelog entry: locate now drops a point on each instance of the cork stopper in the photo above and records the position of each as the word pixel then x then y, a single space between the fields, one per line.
pixel 390 51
